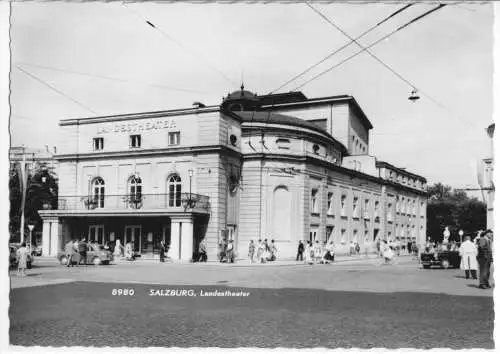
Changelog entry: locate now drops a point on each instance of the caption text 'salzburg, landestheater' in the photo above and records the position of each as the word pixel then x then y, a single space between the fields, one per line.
pixel 282 167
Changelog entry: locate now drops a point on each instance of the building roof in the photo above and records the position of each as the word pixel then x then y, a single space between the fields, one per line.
pixel 265 117
pixel 280 98
pixel 381 164
pixel 298 99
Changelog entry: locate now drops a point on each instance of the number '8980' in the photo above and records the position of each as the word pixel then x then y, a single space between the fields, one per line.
pixel 123 292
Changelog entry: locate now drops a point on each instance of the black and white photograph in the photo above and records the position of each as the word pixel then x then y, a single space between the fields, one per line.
pixel 248 174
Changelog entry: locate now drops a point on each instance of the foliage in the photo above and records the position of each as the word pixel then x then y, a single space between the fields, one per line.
pixel 455 209
pixel 41 193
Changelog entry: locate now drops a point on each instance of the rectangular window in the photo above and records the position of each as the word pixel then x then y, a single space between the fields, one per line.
pixel 377 210
pixel 398 205
pixel 314 201
pixel 329 233
pixel 389 212
pixel 98 144
pixel 403 206
pixel 135 141
pixel 330 203
pixel 343 205
pixel 355 210
pixel 366 211
pixel 367 233
pixel 355 235
pixel 342 236
pixel 174 138
pixel 414 208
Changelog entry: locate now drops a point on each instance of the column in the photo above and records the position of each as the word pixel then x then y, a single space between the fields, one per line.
pixel 54 237
pixel 46 237
pixel 175 230
pixel 187 240
pixel 181 246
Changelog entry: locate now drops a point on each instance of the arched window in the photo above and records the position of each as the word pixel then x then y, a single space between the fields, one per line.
pixel 135 187
pixel 174 191
pixel 98 192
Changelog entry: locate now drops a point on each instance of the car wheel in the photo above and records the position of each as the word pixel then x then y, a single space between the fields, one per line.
pixel 445 264
pixel 105 262
pixel 96 261
pixel 427 267
pixel 63 261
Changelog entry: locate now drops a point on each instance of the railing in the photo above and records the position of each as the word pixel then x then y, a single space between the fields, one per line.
pixel 179 201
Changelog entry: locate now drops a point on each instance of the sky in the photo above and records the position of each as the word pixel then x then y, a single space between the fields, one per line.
pixel 91 59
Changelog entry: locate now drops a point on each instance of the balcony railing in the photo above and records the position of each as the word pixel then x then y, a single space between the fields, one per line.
pixel 179 201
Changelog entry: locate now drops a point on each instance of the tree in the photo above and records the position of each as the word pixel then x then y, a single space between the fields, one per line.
pixel 455 209
pixel 41 193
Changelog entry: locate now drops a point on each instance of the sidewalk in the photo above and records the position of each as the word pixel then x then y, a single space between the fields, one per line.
pixel 240 262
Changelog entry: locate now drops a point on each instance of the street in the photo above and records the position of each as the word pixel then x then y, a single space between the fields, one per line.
pixel 350 304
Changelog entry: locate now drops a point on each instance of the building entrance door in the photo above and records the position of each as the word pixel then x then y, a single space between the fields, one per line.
pixel 133 234
pixel 96 234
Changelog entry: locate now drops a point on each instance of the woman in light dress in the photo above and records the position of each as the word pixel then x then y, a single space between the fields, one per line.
pixel 22 260
pixel 118 249
pixel 308 253
pixel 387 253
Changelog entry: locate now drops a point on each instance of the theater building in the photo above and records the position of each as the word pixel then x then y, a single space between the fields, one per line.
pixel 282 167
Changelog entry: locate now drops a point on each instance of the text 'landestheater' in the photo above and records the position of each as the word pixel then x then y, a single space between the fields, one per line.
pixel 282 167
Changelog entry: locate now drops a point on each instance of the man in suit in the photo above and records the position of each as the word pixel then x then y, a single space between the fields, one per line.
pixel 484 258
pixel 82 250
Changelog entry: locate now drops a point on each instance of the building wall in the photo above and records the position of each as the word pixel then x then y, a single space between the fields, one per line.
pixel 358 136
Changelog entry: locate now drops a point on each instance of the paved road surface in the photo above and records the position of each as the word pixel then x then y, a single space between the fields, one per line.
pixel 351 304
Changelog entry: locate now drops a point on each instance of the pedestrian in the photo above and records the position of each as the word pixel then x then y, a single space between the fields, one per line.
pixel 222 251
pixel 82 250
pixel 351 248
pixel 357 247
pixel 22 260
pixel 162 251
pixel 468 252
pixel 387 253
pixel 484 257
pixel 202 250
pixel 317 252
pixel 260 251
pixel 409 248
pixel 118 251
pixel 329 252
pixel 300 251
pixel 273 251
pixel 251 251
pixel 230 252
pixel 129 252
pixel 309 253
pixel 68 252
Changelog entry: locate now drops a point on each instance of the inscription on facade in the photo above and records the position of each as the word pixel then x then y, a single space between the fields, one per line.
pixel 137 126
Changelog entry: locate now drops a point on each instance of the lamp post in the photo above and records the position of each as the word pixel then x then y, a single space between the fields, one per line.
pixel 190 172
pixel 461 234
pixel 30 227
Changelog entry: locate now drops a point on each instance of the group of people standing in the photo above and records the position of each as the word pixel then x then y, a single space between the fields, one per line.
pixel 478 254
pixel 76 251
pixel 316 252
pixel 262 252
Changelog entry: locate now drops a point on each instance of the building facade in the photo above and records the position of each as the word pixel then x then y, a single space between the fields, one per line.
pixel 280 167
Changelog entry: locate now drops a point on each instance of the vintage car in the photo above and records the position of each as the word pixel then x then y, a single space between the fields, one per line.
pixel 96 255
pixel 13 257
pixel 443 258
pixel 36 251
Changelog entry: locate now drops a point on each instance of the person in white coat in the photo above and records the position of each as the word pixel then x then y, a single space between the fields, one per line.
pixel 468 252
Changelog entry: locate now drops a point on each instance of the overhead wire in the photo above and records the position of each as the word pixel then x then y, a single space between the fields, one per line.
pixel 103 77
pixel 388 67
pixel 34 77
pixel 345 45
pixel 170 38
pixel 366 48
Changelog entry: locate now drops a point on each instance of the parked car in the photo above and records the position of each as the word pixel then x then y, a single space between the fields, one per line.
pixel 96 255
pixel 36 251
pixel 13 257
pixel 444 259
